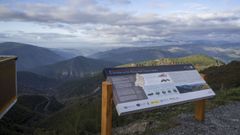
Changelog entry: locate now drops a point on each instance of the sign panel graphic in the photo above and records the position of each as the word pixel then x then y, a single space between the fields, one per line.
pixel 142 88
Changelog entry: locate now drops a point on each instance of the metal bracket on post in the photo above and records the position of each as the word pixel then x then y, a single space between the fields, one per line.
pixel 107 101
pixel 200 110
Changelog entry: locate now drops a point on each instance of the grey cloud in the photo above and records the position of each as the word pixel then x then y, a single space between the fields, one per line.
pixel 84 12
pixel 20 35
pixel 4 36
pixel 99 21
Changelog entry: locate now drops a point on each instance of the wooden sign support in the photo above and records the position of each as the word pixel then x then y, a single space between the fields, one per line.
pixel 200 107
pixel 107 94
pixel 200 110
pixel 107 102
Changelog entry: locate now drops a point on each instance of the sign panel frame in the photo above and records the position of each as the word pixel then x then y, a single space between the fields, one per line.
pixel 133 86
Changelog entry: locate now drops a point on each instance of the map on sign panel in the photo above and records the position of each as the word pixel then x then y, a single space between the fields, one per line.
pixel 136 89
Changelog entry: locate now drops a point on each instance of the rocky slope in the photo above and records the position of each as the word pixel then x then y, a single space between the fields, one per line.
pixel 224 120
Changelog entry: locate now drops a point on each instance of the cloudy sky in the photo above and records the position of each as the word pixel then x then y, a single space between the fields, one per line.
pixel 71 23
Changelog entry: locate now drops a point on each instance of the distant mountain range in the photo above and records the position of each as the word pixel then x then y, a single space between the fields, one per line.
pixel 77 67
pixel 226 52
pixel 29 56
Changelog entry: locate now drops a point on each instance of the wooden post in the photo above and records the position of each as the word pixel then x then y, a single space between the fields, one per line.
pixel 200 110
pixel 106 123
pixel 200 107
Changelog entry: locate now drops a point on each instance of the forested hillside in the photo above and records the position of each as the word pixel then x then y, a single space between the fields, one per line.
pixel 224 77
pixel 199 61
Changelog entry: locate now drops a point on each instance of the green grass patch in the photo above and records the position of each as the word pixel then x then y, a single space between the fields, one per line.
pixel 225 96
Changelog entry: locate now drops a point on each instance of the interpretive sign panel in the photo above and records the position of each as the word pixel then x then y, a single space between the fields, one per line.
pixel 141 88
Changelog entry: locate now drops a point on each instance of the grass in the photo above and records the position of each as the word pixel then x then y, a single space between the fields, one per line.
pixel 225 96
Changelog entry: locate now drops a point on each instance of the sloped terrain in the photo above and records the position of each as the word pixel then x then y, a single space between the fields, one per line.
pixel 79 87
pixel 31 83
pixel 26 113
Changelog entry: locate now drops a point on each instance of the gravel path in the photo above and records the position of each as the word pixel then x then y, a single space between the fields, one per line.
pixel 223 120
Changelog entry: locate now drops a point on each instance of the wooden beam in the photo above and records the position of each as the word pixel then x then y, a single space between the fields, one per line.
pixel 200 110
pixel 106 123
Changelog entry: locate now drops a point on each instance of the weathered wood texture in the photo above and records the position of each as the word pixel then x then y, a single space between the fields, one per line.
pixel 107 101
